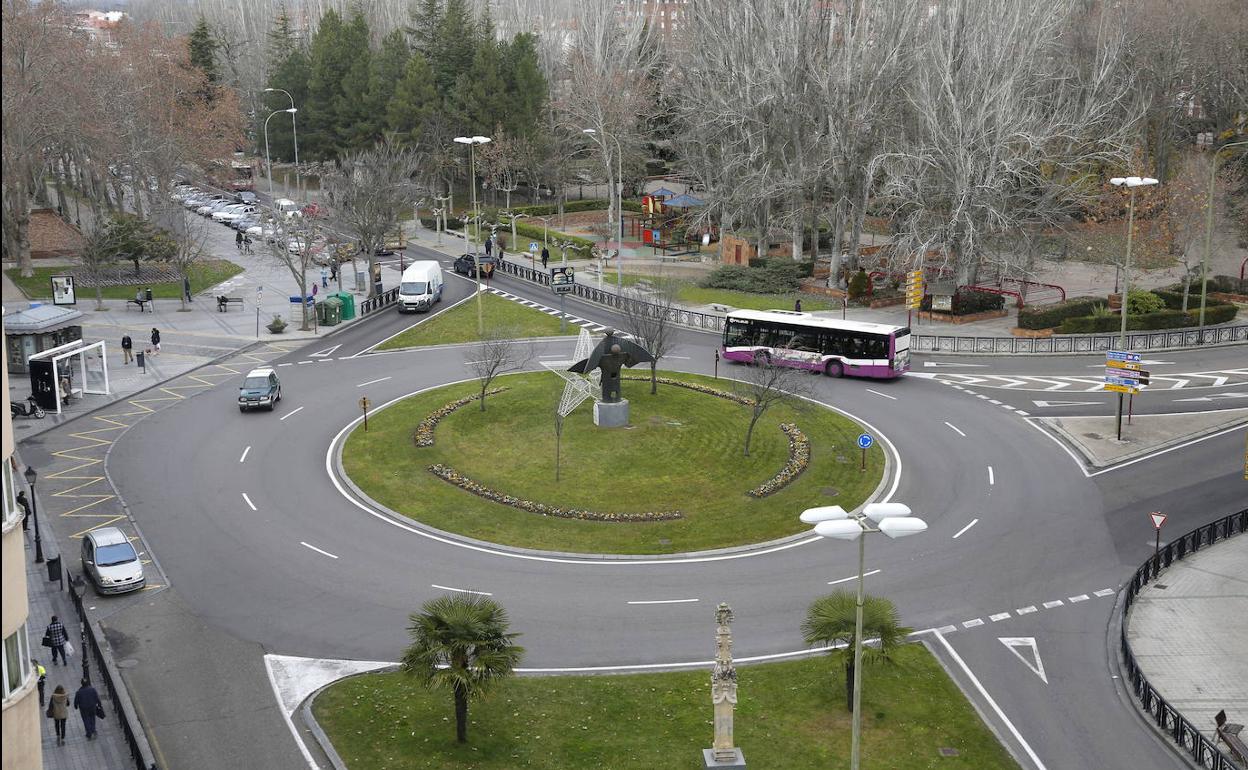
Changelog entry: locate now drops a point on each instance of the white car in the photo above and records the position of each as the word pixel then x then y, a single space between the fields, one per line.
pixel 211 208
pixel 266 231
pixel 230 213
pixel 296 244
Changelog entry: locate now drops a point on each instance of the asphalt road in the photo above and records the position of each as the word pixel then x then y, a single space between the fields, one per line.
pixel 263 547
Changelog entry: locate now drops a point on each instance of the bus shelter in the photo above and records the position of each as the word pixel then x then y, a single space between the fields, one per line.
pixel 74 369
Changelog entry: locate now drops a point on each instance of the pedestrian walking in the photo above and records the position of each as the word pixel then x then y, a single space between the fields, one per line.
pixel 500 253
pixel 545 256
pixel 314 290
pixel 324 277
pixel 489 245
pixel 25 504
pixel 127 348
pixel 42 673
pixel 87 701
pixel 55 637
pixel 333 270
pixel 238 240
pixel 246 244
pixel 186 288
pixel 797 306
pixel 155 339
pixel 58 712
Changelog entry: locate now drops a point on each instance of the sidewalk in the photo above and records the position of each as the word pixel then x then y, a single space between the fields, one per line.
pixel 1187 630
pixel 109 749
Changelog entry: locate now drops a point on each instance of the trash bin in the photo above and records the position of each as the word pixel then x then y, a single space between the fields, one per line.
pixel 348 305
pixel 139 359
pixel 361 280
pixel 54 569
pixel 329 311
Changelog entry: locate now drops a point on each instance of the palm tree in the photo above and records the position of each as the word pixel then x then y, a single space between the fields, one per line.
pixel 460 643
pixel 830 621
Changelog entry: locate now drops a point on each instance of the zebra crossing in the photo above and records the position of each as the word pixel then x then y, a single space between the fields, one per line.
pixel 591 325
pixel 1085 383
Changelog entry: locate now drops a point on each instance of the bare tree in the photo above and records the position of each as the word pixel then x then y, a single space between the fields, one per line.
pixel 368 191
pixel 188 235
pixel 649 321
pixel 294 247
pixel 766 384
pixel 498 353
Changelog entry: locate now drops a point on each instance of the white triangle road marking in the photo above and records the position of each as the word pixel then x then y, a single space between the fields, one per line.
pixel 324 353
pixel 1012 643
pixel 1051 404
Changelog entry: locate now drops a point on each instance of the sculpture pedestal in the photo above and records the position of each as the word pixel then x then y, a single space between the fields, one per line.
pixel 708 759
pixel 611 415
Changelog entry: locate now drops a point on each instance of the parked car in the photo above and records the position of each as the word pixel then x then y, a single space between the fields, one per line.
pixel 243 223
pixel 234 212
pixel 232 208
pixel 297 243
pixel 466 265
pixel 261 388
pixel 265 231
pixel 247 196
pixel 111 562
pixel 212 208
pixel 286 208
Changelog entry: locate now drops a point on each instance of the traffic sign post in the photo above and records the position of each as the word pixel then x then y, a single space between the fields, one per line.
pixel 1159 519
pixel 1124 373
pixel 365 404
pixel 864 443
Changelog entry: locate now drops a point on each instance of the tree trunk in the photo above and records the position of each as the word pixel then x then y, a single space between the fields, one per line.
pixel 461 716
pixel 849 681
pixel 749 433
pixel 21 224
pixel 654 381
pixel 484 385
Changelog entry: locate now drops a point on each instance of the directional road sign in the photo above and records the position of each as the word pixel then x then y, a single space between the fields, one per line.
pixel 1121 388
pixel 1158 518
pixel 865 441
pixel 1114 363
pixel 1123 355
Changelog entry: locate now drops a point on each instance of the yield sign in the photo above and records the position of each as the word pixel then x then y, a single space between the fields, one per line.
pixel 1158 518
pixel 1032 660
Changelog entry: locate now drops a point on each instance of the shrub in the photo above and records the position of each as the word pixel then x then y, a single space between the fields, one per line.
pixel 1049 316
pixel 969 301
pixel 858 284
pixel 549 209
pixel 1163 319
pixel 763 276
pixel 1143 302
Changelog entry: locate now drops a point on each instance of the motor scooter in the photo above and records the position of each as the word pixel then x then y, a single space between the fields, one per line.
pixel 29 409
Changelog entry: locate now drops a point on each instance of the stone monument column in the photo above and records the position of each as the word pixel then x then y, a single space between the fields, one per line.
pixel 723 696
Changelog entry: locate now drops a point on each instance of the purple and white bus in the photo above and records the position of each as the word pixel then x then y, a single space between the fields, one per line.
pixel 827 345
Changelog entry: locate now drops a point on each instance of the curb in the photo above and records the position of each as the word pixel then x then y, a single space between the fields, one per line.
pixel 1092 464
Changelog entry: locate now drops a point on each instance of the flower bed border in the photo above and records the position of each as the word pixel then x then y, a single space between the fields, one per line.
pixel 799 459
pixel 423 435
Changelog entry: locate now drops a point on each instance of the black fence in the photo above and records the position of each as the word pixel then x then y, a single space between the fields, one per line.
pixel 1201 749
pixel 373 304
pixel 123 710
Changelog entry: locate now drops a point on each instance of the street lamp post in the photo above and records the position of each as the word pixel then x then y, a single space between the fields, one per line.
pixel 832 521
pixel 472 142
pixel 1131 182
pixel 1204 260
pixel 31 476
pixel 268 163
pixel 294 131
pixel 617 190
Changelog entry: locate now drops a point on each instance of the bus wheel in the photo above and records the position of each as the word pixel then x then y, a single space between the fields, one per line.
pixel 833 369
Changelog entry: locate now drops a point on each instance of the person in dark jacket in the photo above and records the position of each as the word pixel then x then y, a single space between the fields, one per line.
pixel 489 245
pixel 127 348
pixel 155 340
pixel 25 505
pixel 545 256
pixel 58 712
pixel 87 700
pixel 57 636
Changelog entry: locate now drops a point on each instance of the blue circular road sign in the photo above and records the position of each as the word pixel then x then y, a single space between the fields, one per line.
pixel 865 441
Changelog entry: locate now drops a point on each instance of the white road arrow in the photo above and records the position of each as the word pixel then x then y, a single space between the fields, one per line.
pixel 934 364
pixel 324 353
pixel 1013 643
pixel 1051 404
pixel 1215 397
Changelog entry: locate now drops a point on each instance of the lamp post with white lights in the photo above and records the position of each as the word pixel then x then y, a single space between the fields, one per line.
pixel 294 133
pixel 832 521
pixel 618 192
pixel 1131 182
pixel 268 164
pixel 472 142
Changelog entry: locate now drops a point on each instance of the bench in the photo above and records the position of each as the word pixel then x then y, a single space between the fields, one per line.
pixel 142 303
pixel 1228 733
pixel 223 303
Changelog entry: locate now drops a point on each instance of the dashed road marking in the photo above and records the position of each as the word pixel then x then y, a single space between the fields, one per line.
pixel 997 618
pixel 964 529
pixel 972 623
pixel 885 395
pixel 1052 604
pixel 992 479
pixel 846 580
pixel 244 457
pixel 247 500
pixel 1104 592
pixel 372 382
pixel 291 413
pixel 1077 599
pixel 955 429
pixel 1026 610
pixel 318 550
pixel 461 590
pixel 664 601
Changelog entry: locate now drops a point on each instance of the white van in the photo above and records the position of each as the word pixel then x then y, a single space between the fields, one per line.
pixel 286 208
pixel 420 286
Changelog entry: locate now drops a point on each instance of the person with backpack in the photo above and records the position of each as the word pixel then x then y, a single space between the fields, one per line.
pixel 127 348
pixel 155 340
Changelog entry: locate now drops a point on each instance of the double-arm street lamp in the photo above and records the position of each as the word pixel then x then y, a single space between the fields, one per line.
pixel 1204 262
pixel 31 476
pixel 1130 182
pixel 294 131
pixel 472 142
pixel 268 164
pixel 894 520
pixel 618 192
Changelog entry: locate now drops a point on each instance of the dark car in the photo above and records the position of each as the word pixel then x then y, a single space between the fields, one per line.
pixel 246 197
pixel 260 389
pixel 466 265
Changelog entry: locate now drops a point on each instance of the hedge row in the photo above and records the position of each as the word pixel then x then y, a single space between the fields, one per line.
pixel 570 207
pixel 1165 319
pixel 764 276
pixel 1049 316
pixel 970 301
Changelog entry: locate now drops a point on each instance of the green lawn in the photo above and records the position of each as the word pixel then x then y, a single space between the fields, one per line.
pixel 459 324
pixel 690 294
pixel 683 451
pixel 789 715
pixel 204 275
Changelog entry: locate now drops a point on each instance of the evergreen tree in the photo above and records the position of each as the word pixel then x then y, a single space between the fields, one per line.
pixel 388 68
pixel 352 119
pixel 454 47
pixel 480 99
pixel 203 50
pixel 415 102
pixel 328 59
pixel 426 16
pixel 289 71
pixel 526 88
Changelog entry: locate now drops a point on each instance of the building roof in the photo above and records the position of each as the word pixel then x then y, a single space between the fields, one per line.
pixel 40 318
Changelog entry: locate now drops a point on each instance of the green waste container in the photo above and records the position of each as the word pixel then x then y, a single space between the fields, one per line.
pixel 348 304
pixel 329 311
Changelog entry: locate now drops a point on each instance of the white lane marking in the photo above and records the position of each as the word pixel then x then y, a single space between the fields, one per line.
pixel 1052 604
pixel 992 479
pixel 972 623
pixel 286 364
pixel 1012 643
pixel 325 352
pixel 997 618
pixel 855 577
pixel 1104 592
pixel 372 382
pixel 301 363
pixel 993 401
pixel 885 395
pixel 244 457
pixel 1215 397
pixel 665 601
pixel 325 361
pixel 1026 610
pixel 247 500
pixel 945 629
pixel 1024 414
pixel 318 550
pixel 964 529
pixel 290 413
pixel 997 709
pixel 461 590
pixel 886 496
pixel 943 363
pixel 955 429
pixel 1052 404
pixel 553 356
pixel 1077 599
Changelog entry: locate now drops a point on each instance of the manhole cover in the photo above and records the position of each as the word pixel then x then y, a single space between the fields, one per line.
pixel 946 752
pixel 830 491
pixel 127 663
pixel 1160 586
